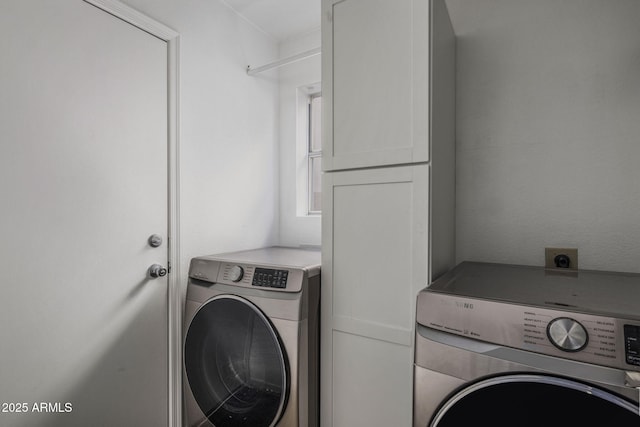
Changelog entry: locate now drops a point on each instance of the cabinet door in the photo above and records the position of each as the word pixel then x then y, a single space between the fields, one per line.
pixel 375 260
pixel 375 79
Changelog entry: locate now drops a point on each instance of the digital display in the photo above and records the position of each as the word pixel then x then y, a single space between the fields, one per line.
pixel 632 344
pixel 267 277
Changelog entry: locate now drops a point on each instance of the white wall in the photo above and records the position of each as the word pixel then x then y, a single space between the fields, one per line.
pixel 295 229
pixel 548 128
pixel 228 128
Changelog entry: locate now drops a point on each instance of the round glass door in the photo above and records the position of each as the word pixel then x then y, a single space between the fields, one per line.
pixel 535 400
pixel 235 364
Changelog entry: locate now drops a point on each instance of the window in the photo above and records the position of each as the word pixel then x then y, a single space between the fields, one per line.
pixel 314 153
pixel 308 150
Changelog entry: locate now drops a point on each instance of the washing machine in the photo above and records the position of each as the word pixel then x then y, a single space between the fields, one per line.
pixel 505 345
pixel 251 339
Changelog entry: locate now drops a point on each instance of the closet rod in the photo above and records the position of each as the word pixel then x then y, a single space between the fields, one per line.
pixel 285 61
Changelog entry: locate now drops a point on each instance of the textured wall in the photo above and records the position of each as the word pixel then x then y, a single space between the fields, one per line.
pixel 229 128
pixel 548 130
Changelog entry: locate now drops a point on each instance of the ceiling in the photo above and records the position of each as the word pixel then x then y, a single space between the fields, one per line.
pixel 281 19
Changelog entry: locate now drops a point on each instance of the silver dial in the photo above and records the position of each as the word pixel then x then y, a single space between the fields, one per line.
pixel 236 273
pixel 567 334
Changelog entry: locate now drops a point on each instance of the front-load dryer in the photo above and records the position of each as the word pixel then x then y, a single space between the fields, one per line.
pixel 505 345
pixel 251 339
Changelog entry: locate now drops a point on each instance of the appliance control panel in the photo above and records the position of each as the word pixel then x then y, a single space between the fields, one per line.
pixel 270 278
pixel 279 279
pixel 632 344
pixel 583 337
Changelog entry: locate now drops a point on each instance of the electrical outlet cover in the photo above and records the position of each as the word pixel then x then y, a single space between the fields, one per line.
pixel 551 253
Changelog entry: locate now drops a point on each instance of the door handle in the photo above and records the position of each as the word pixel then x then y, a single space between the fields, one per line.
pixel 156 270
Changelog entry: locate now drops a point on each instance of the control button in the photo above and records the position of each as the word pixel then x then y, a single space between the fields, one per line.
pixel 236 273
pixel 567 334
pixel 270 278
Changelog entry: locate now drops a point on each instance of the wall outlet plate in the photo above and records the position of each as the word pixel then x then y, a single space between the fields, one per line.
pixel 551 253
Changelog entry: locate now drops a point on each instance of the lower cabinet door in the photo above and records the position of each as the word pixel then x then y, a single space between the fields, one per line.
pixel 375 260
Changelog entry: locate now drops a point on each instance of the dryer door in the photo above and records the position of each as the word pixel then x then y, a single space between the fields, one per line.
pixel 236 364
pixel 534 400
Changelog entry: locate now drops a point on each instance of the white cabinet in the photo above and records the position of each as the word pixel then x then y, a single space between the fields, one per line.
pixel 374 263
pixel 388 197
pixel 375 82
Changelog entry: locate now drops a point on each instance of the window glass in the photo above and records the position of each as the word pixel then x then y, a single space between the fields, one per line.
pixel 315 153
pixel 315 190
pixel 315 128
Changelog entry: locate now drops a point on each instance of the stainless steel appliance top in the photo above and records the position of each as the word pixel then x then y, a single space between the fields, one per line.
pixel 305 258
pixel 595 292
pixel 276 268
pixel 588 316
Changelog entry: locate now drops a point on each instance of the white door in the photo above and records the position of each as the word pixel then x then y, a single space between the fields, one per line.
pixel 83 184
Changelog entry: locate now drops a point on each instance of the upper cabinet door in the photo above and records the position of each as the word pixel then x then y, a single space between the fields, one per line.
pixel 375 77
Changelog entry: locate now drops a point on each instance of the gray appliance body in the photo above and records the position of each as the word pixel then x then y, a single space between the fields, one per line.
pixel 251 339
pixel 506 345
